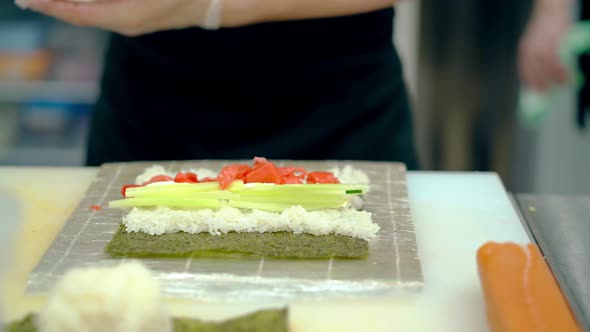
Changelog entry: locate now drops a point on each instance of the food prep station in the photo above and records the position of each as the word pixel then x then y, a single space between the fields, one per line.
pixel 453 214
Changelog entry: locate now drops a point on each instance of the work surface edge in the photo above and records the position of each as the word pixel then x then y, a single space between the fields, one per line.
pixel 451 224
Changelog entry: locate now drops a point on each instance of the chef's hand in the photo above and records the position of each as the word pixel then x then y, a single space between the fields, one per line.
pixel 538 60
pixel 137 17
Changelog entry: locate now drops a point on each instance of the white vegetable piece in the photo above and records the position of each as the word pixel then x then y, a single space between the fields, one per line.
pixel 116 299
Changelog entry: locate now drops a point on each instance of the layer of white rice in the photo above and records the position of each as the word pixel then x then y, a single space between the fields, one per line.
pixel 346 221
pixel 161 220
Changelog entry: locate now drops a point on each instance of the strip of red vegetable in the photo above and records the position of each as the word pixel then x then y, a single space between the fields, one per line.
pixel 265 173
pixel 187 177
pixel 262 171
pixel 321 177
pixel 230 173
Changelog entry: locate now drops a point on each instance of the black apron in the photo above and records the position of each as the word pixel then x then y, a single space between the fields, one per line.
pixel 312 89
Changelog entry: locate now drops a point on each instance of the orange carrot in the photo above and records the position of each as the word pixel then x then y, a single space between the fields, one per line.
pixel 520 291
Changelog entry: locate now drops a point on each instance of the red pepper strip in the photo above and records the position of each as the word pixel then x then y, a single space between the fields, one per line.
pixel 321 177
pixel 192 176
pixel 232 172
pixel 290 179
pixel 298 172
pixel 266 173
pixel 187 177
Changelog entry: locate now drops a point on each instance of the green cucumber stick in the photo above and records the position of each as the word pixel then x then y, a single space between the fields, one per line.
pixel 164 201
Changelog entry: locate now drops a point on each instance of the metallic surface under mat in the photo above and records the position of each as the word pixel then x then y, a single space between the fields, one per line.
pixel 393 265
pixel 561 227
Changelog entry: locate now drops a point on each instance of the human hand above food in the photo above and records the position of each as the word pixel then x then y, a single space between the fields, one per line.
pixel 538 62
pixel 134 17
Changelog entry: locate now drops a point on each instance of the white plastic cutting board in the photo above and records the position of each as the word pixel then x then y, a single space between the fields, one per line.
pixel 453 214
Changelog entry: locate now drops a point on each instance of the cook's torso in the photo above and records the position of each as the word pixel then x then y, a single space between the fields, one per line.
pixel 298 82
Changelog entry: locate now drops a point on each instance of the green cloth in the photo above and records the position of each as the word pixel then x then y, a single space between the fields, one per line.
pixel 282 245
pixel 534 106
pixel 268 320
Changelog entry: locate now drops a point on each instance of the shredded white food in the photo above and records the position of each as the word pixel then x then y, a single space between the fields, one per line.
pixel 350 175
pixel 202 173
pixel 150 172
pixel 125 298
pixel 161 220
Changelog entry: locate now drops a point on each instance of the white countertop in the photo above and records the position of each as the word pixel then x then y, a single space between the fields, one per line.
pixel 454 214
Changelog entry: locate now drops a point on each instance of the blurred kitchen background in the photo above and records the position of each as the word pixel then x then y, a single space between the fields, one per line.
pixel 460 65
pixel 48 83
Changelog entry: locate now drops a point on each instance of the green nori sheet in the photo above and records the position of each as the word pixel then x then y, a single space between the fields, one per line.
pixel 268 320
pixel 280 245
pixel 24 325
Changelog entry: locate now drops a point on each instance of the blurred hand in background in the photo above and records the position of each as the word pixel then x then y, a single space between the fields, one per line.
pixel 538 60
pixel 129 17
